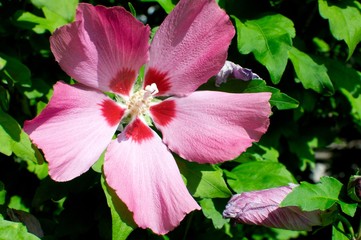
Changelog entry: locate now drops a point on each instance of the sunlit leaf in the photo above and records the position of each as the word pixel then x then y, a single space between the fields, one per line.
pixel 212 209
pixel 13 139
pixel 312 75
pixel 40 170
pixel 9 133
pixel 122 221
pixel 269 38
pixel 2 63
pixel 2 193
pixel 65 9
pixel 258 175
pixel 57 13
pixel 16 202
pixel 13 230
pixel 338 231
pixel 322 196
pixel 321 45
pixel 355 103
pixel 344 18
pixel 205 181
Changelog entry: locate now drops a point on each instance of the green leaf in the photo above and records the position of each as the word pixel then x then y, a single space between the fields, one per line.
pixel 16 72
pixel 258 175
pixel 14 140
pixel 303 147
pixel 344 18
pixel 338 231
pixel 343 76
pixel 2 63
pixel 50 23
pixel 321 45
pixel 25 150
pixel 355 106
pixel 122 221
pixel 40 170
pixel 2 194
pixel 278 99
pixel 57 13
pixel 98 165
pixel 38 89
pixel 167 5
pixel 204 181
pixel 13 230
pixel 16 202
pixel 212 209
pixel 9 133
pixel 65 9
pixel 284 234
pixel 269 38
pixel 312 75
pixel 4 99
pixel 132 9
pixel 322 196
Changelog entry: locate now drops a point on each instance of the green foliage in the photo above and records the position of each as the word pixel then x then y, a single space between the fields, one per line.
pixel 323 195
pixel 338 232
pixel 344 18
pixel 16 141
pixel 271 40
pixel 258 175
pixel 122 221
pixel 311 75
pixel 204 181
pixel 57 13
pixel 14 72
pixel 12 230
pixel 212 209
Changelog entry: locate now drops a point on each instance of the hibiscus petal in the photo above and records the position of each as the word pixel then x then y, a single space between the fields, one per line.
pixel 189 47
pixel 145 176
pixel 104 48
pixel 262 208
pixel 211 127
pixel 74 129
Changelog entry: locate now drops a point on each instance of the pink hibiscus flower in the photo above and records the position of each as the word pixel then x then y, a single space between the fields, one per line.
pixel 103 50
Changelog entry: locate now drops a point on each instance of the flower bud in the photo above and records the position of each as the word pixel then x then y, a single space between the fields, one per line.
pixel 354 188
pixel 262 208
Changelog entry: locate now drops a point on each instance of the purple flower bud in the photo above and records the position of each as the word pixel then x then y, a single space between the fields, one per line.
pixel 262 208
pixel 231 69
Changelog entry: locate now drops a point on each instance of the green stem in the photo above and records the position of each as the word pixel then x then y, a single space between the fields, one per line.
pixel 348 226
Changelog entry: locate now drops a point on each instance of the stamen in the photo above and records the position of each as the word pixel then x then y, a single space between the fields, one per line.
pixel 139 102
